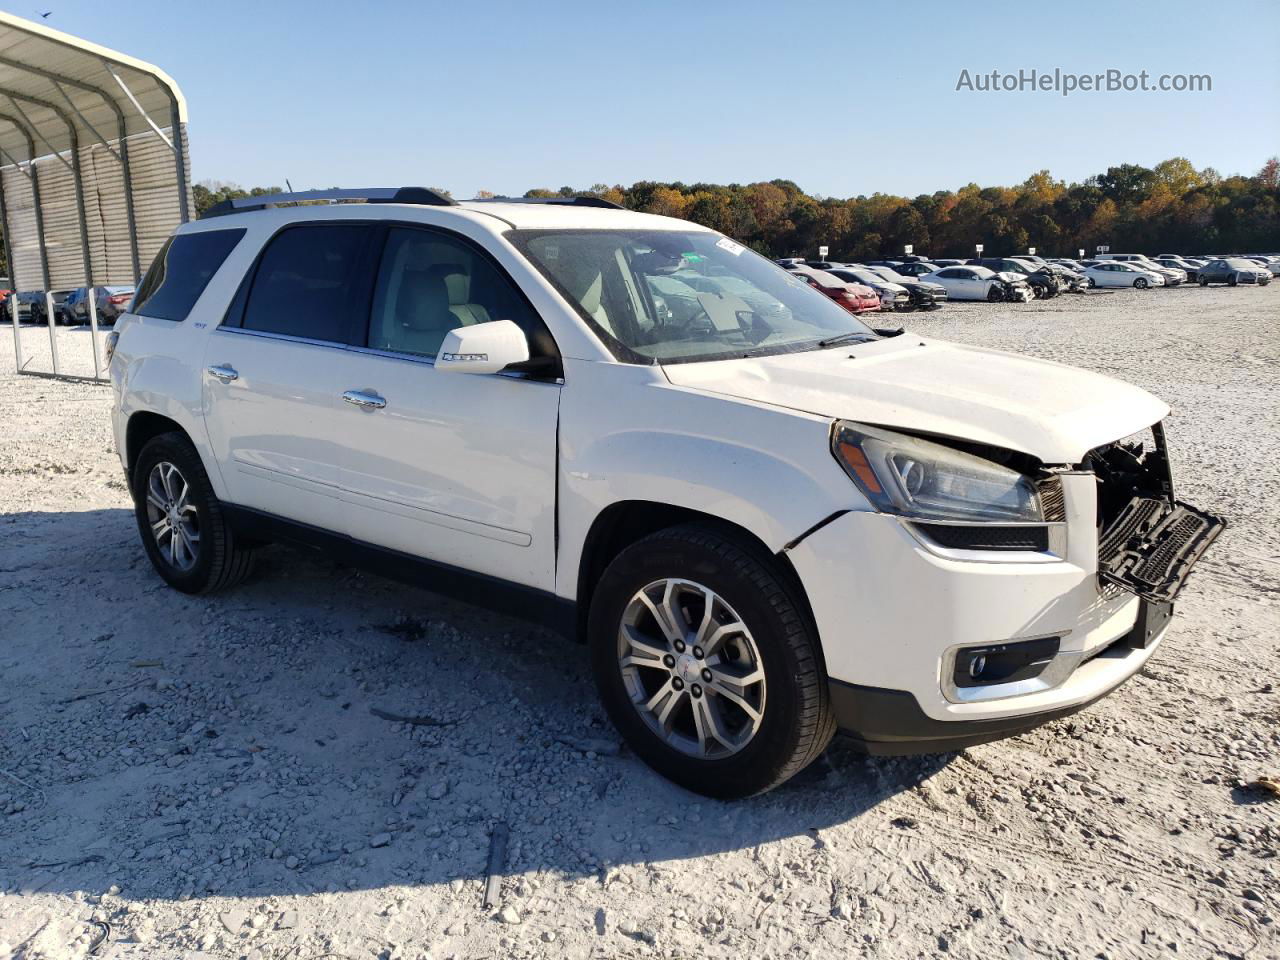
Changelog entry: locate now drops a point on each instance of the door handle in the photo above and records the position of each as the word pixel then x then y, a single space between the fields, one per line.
pixel 363 398
pixel 224 373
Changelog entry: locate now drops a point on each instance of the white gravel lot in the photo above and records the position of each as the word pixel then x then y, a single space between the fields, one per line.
pixel 207 777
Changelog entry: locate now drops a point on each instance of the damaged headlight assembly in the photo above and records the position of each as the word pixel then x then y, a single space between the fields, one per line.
pixel 956 500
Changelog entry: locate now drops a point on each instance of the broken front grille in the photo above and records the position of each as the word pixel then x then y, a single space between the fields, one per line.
pixel 1147 541
pixel 1152 546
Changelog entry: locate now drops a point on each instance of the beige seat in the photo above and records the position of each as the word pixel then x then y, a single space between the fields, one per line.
pixel 458 283
pixel 585 283
pixel 421 317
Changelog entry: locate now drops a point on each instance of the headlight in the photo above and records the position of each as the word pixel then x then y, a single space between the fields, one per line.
pixel 928 481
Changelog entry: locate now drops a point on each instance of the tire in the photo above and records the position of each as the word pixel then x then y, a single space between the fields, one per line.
pixel 1141 283
pixel 994 294
pixel 1092 284
pixel 749 756
pixel 1203 281
pixel 1233 280
pixel 214 561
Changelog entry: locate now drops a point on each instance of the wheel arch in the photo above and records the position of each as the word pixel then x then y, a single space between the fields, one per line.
pixel 625 522
pixel 142 427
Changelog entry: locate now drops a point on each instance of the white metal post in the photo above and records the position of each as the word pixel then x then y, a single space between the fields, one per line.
pixel 93 331
pixel 17 335
pixel 53 329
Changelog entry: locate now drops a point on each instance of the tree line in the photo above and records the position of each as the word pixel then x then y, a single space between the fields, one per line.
pixel 1169 207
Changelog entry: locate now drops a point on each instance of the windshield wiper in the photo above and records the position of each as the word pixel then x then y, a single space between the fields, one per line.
pixel 852 336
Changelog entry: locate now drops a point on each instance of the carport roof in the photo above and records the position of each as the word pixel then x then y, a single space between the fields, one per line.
pixel 52 83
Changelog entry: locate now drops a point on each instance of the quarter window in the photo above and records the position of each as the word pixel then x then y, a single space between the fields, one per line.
pixel 430 283
pixel 181 271
pixel 307 283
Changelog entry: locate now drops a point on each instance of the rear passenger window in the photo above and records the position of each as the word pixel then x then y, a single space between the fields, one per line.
pixel 306 282
pixel 181 271
pixel 430 283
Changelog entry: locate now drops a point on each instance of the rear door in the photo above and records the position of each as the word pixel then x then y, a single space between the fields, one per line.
pixel 457 468
pixel 276 367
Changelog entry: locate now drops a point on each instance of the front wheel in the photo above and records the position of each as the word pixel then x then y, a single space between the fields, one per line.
pixel 1092 283
pixel 183 529
pixel 1203 281
pixel 707 665
pixel 1233 280
pixel 1141 283
pixel 995 294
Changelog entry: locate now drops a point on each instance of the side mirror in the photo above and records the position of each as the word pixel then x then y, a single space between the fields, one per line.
pixel 483 348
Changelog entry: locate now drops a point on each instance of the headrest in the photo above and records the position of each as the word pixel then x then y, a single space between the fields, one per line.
pixel 423 300
pixel 456 281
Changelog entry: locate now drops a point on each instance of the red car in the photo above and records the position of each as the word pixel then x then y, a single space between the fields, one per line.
pixel 854 297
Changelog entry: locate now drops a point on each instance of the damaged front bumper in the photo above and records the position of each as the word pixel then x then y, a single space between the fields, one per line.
pixel 933 648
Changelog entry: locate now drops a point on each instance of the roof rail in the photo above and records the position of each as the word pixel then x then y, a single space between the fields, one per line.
pixel 418 195
pixel 563 201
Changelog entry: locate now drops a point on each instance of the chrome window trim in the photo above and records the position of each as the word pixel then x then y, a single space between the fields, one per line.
pixel 267 335
pixel 372 351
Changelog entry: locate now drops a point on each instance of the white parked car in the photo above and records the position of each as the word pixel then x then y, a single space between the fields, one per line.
pixel 1172 275
pixel 764 528
pixel 980 283
pixel 1115 273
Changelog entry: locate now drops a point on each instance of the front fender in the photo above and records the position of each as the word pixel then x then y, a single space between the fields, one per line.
pixel 764 469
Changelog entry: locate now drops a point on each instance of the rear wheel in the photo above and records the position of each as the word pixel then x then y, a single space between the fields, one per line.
pixel 706 664
pixel 183 529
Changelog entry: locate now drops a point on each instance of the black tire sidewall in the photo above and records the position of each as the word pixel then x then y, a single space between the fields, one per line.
pixel 754 767
pixel 178 451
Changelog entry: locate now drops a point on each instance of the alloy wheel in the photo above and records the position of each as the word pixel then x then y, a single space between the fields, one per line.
pixel 691 668
pixel 175 523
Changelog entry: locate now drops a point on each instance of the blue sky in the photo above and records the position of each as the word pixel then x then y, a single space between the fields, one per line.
pixel 845 99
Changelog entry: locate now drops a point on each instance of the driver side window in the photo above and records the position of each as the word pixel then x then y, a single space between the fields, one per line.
pixel 429 284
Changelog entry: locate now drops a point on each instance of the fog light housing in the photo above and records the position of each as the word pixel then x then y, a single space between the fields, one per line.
pixel 1003 662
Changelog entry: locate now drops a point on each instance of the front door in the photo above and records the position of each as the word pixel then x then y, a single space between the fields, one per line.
pixel 454 467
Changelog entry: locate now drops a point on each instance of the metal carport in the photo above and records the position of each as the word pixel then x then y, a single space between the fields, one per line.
pixel 94 168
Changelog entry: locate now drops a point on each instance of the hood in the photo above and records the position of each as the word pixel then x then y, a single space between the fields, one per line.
pixel 890 286
pixel 1010 277
pixel 1053 412
pixel 924 286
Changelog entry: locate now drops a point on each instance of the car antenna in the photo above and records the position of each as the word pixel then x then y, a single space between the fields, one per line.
pixel 288 184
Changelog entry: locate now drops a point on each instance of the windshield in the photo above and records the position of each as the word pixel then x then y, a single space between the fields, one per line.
pixel 671 297
pixel 892 275
pixel 865 276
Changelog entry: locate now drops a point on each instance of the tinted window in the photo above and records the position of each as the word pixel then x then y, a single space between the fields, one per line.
pixel 181 271
pixel 306 281
pixel 430 283
pixel 951 274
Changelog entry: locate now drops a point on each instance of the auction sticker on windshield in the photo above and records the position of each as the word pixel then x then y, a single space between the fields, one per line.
pixel 724 243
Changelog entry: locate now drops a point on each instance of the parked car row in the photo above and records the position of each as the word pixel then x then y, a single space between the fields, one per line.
pixel 70 307
pixel 916 282
pixel 1139 270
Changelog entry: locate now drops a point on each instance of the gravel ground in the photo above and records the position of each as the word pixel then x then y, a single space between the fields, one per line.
pixel 226 776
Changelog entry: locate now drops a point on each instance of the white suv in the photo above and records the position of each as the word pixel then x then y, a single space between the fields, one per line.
pixel 768 520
